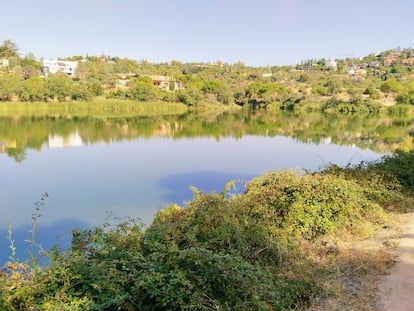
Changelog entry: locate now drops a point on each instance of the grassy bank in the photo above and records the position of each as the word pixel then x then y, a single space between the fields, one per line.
pixel 99 108
pixel 280 245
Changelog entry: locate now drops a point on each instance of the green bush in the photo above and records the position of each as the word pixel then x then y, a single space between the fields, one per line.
pixel 399 166
pixel 109 270
pixel 216 223
pixel 311 205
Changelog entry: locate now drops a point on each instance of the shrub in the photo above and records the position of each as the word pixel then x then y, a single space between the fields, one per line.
pixel 216 223
pixel 311 205
pixel 398 166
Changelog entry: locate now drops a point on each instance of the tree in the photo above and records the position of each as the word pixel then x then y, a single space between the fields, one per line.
pixel 390 85
pixel 58 86
pixel 125 65
pixel 30 60
pixel 142 90
pixel 190 96
pixel 217 88
pixel 265 93
pixel 81 92
pixel 8 49
pixel 9 86
pixel 96 71
pixel 30 71
pixel 32 89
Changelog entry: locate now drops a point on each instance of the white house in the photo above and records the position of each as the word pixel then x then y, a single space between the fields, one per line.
pixel 4 63
pixel 54 66
pixel 331 63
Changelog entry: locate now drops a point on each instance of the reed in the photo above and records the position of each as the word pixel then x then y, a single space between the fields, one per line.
pixel 99 108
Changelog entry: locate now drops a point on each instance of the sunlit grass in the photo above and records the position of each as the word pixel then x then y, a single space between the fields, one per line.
pixel 102 108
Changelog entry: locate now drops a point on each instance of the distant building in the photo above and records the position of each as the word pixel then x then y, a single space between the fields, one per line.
pixel 4 63
pixel 166 83
pixel 330 63
pixel 267 75
pixel 55 66
pixel 374 64
pixel 391 59
pixel 408 61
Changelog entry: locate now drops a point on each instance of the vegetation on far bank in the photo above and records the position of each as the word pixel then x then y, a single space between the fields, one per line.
pixel 274 247
pixel 346 85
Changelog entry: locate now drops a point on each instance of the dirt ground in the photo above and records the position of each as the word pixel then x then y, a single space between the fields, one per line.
pixel 396 289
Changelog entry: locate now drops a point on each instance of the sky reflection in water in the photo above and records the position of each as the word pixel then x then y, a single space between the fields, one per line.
pixel 136 178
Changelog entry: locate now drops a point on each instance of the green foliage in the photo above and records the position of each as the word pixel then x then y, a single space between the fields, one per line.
pixel 218 89
pixel 27 61
pixel 142 90
pixel 384 190
pixel 398 166
pixel 308 206
pixel 320 90
pixel 32 89
pixel 8 49
pixel 58 87
pixel 96 71
pixel 214 222
pixel 9 86
pixel 84 93
pixel 390 86
pixel 303 77
pixel 191 96
pixel 265 93
pixel 355 104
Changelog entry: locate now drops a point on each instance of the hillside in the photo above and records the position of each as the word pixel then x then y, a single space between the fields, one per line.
pixel 346 85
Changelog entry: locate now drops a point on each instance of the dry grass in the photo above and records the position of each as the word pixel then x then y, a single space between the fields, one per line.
pixel 353 268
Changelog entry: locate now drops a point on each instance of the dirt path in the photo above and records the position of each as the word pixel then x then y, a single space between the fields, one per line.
pixel 397 288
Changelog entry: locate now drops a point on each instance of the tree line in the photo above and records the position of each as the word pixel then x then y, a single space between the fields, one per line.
pixel 371 81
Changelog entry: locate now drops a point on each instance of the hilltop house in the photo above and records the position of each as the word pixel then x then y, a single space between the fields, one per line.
pixel 166 83
pixel 55 66
pixel 391 58
pixel 408 61
pixel 331 64
pixel 4 63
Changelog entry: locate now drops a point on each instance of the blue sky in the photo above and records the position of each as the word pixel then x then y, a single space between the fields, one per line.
pixel 255 32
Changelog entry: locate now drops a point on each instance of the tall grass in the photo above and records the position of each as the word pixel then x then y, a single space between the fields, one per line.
pixel 100 108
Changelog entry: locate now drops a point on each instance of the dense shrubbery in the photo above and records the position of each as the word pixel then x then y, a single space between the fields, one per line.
pixel 398 168
pixel 357 104
pixel 309 206
pixel 220 252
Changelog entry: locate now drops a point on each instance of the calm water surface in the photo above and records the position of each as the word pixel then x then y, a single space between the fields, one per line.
pixel 88 181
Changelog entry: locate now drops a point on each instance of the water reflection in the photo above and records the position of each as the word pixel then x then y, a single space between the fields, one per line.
pixel 133 167
pixel 59 141
pixel 178 185
pixel 377 133
pixel 48 234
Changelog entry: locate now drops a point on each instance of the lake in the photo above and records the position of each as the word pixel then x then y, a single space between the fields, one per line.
pixel 95 169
